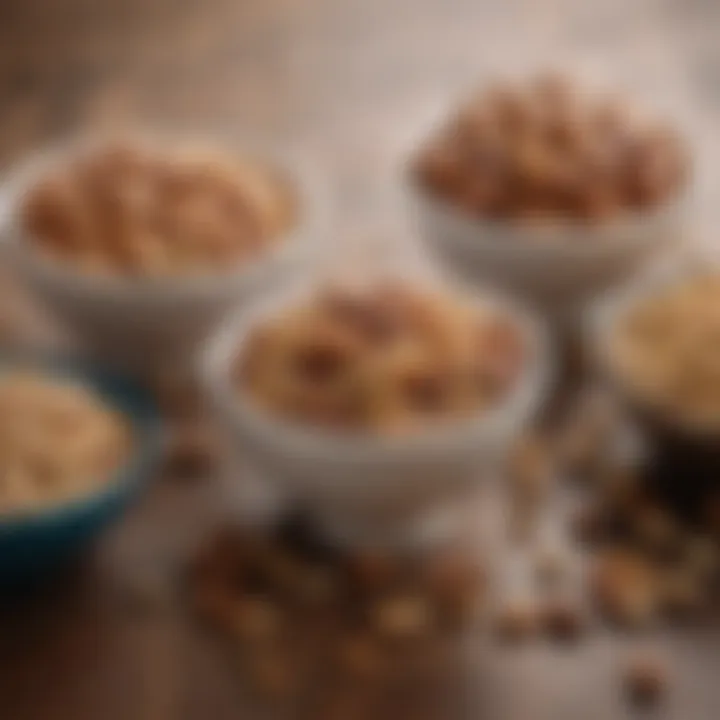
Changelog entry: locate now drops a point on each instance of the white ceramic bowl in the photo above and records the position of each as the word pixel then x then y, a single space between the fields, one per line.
pixel 145 325
pixel 610 311
pixel 561 268
pixel 362 489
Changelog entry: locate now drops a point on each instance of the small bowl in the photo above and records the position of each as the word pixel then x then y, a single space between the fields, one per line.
pixel 35 542
pixel 683 460
pixel 559 267
pixel 364 490
pixel 144 325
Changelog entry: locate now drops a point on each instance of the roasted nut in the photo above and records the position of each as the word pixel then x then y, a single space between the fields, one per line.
pixel 128 210
pixel 646 679
pixel 562 620
pixel 373 570
pixel 531 470
pixel 681 592
pixel 402 616
pixel 331 362
pixel 455 584
pixel 552 564
pixel 254 619
pixel 360 655
pixel 592 524
pixel 545 150
pixel 625 588
pixel 193 452
pixel 701 556
pixel 583 441
pixel 517 620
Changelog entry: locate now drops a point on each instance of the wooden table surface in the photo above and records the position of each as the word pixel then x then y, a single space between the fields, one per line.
pixel 351 83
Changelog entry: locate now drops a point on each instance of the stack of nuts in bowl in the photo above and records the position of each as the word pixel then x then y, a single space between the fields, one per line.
pixel 665 350
pixel 547 150
pixel 137 211
pixel 58 442
pixel 387 357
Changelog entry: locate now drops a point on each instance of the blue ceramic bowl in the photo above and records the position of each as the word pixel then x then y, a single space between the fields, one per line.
pixel 33 543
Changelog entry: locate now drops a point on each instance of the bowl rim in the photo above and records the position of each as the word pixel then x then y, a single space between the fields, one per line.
pixel 605 315
pixel 440 438
pixel 302 175
pixel 124 395
pixel 557 239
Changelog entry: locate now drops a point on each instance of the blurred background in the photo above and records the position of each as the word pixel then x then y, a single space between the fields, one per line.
pixel 351 84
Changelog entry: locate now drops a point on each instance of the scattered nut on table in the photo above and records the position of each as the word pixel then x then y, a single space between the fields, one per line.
pixel 646 678
pixel 517 620
pixel 625 588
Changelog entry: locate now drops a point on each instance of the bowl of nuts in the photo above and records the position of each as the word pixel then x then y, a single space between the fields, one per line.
pixel 142 245
pixel 656 343
pixel 381 405
pixel 76 445
pixel 550 190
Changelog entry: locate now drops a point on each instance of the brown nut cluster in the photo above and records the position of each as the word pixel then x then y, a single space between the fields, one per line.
pixel 545 149
pixel 57 442
pixel 315 610
pixel 126 209
pixel 666 353
pixel 386 357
